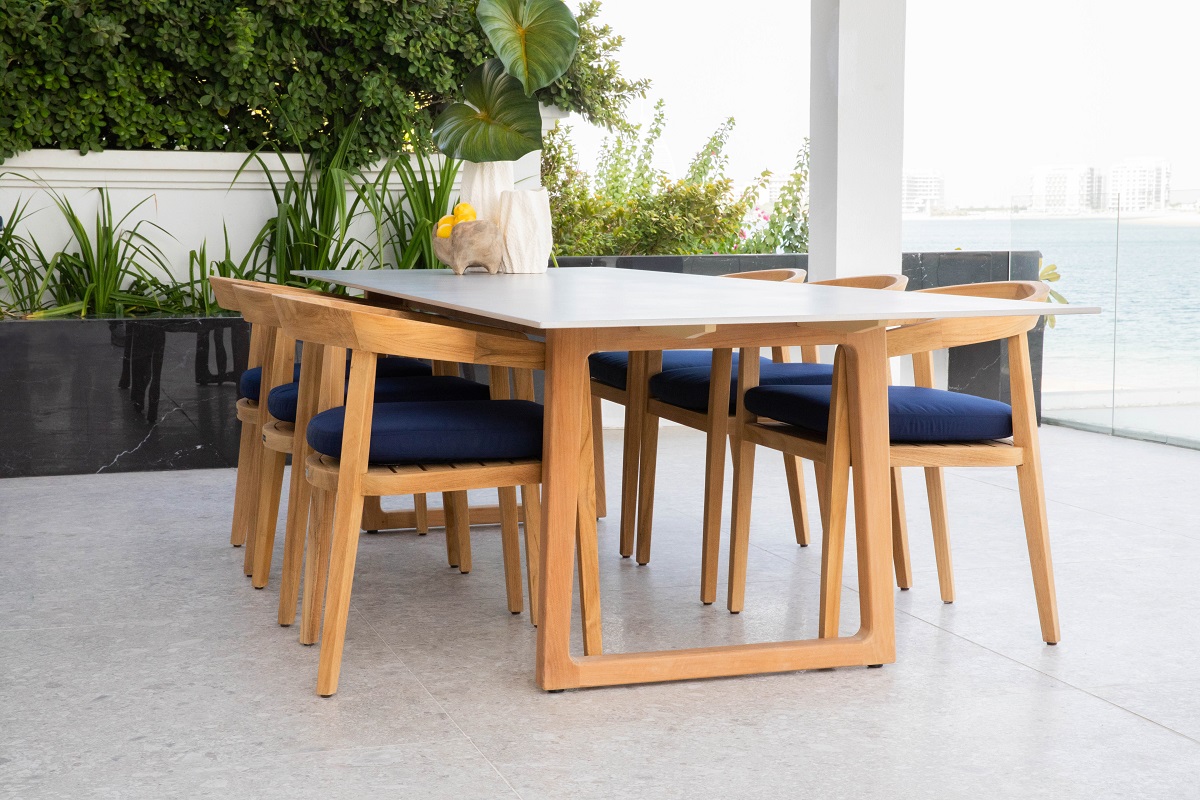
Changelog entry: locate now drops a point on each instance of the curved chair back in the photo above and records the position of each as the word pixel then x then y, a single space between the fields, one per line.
pixel 223 290
pixel 778 275
pixel 888 282
pixel 923 337
pixel 374 330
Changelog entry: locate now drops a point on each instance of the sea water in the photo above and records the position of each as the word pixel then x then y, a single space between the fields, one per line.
pixel 1143 349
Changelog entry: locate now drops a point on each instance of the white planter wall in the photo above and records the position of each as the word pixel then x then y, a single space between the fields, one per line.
pixel 193 195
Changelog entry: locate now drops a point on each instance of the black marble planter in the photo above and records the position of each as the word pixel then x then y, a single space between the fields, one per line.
pixel 82 396
pixel 982 369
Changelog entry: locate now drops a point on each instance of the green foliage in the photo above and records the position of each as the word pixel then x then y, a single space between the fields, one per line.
pixel 406 219
pixel 213 75
pixel 536 39
pixel 311 228
pixel 195 297
pixel 1049 274
pixel 25 272
pixel 499 124
pixel 498 120
pixel 632 208
pixel 784 229
pixel 106 269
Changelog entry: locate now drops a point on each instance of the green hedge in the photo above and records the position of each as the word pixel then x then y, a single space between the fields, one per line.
pixel 214 75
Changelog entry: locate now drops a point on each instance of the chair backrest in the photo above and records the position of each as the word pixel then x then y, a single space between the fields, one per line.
pixel 929 335
pixel 779 275
pixel 223 291
pixel 370 329
pixel 891 283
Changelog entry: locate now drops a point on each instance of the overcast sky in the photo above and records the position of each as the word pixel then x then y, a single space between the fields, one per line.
pixel 993 88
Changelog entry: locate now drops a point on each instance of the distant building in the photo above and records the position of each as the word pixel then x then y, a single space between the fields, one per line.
pixel 923 192
pixel 1068 189
pixel 1139 185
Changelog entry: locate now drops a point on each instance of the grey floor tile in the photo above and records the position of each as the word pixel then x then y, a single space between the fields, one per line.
pixel 139 662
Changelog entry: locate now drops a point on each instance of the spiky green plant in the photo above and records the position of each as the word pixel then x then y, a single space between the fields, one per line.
pixel 409 216
pixel 311 226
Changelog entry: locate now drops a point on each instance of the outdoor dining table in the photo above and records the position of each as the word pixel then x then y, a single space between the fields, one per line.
pixel 581 311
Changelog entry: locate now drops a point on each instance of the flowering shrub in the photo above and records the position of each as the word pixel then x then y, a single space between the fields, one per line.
pixel 631 208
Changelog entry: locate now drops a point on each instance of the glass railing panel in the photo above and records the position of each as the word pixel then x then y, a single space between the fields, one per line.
pixel 1077 351
pixel 1156 393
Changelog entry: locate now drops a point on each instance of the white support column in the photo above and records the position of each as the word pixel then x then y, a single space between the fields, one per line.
pixel 857 120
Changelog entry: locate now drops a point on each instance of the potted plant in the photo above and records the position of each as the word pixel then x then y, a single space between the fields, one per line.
pixel 498 121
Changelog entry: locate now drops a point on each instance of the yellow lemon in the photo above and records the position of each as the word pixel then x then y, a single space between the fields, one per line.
pixel 464 212
pixel 444 231
pixel 446 220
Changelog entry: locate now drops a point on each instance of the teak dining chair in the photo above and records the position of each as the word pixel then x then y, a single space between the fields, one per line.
pixel 251 414
pixel 704 398
pixel 930 428
pixel 365 449
pixel 282 434
pixel 621 378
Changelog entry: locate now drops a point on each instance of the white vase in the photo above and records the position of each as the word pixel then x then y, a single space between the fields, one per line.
pixel 482 185
pixel 525 224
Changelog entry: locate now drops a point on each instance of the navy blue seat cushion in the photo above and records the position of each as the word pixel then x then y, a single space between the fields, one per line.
pixel 612 368
pixel 688 388
pixel 282 400
pixel 426 432
pixel 915 414
pixel 250 384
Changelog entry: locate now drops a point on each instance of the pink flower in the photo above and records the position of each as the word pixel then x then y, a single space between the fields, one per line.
pixel 742 233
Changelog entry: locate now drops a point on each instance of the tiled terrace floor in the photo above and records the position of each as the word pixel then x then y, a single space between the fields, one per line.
pixel 138 662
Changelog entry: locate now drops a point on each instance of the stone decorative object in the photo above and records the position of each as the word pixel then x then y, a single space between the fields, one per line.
pixel 528 237
pixel 471 244
pixel 483 184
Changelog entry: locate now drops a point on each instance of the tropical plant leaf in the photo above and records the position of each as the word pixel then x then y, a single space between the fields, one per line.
pixel 496 123
pixel 536 39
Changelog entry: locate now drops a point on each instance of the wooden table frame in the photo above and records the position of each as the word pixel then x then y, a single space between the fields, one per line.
pixel 568 387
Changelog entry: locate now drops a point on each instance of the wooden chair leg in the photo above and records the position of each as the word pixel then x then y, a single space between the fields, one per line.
pixel 1037 537
pixel 421 509
pixel 270 487
pixel 795 479
pixel 316 565
pixel 645 496
pixel 1032 487
pixel 510 538
pixel 900 555
pixel 453 556
pixel 347 523
pixel 739 532
pixel 243 493
pixel 531 505
pixel 714 492
pixel 293 542
pixel 598 469
pixel 637 389
pixel 373 519
pixel 935 487
pixel 458 524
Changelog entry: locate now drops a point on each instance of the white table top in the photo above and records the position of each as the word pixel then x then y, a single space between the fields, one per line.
pixel 599 297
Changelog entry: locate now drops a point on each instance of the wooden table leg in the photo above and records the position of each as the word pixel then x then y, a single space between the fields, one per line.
pixel 869 452
pixel 566 393
pixel 873 644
